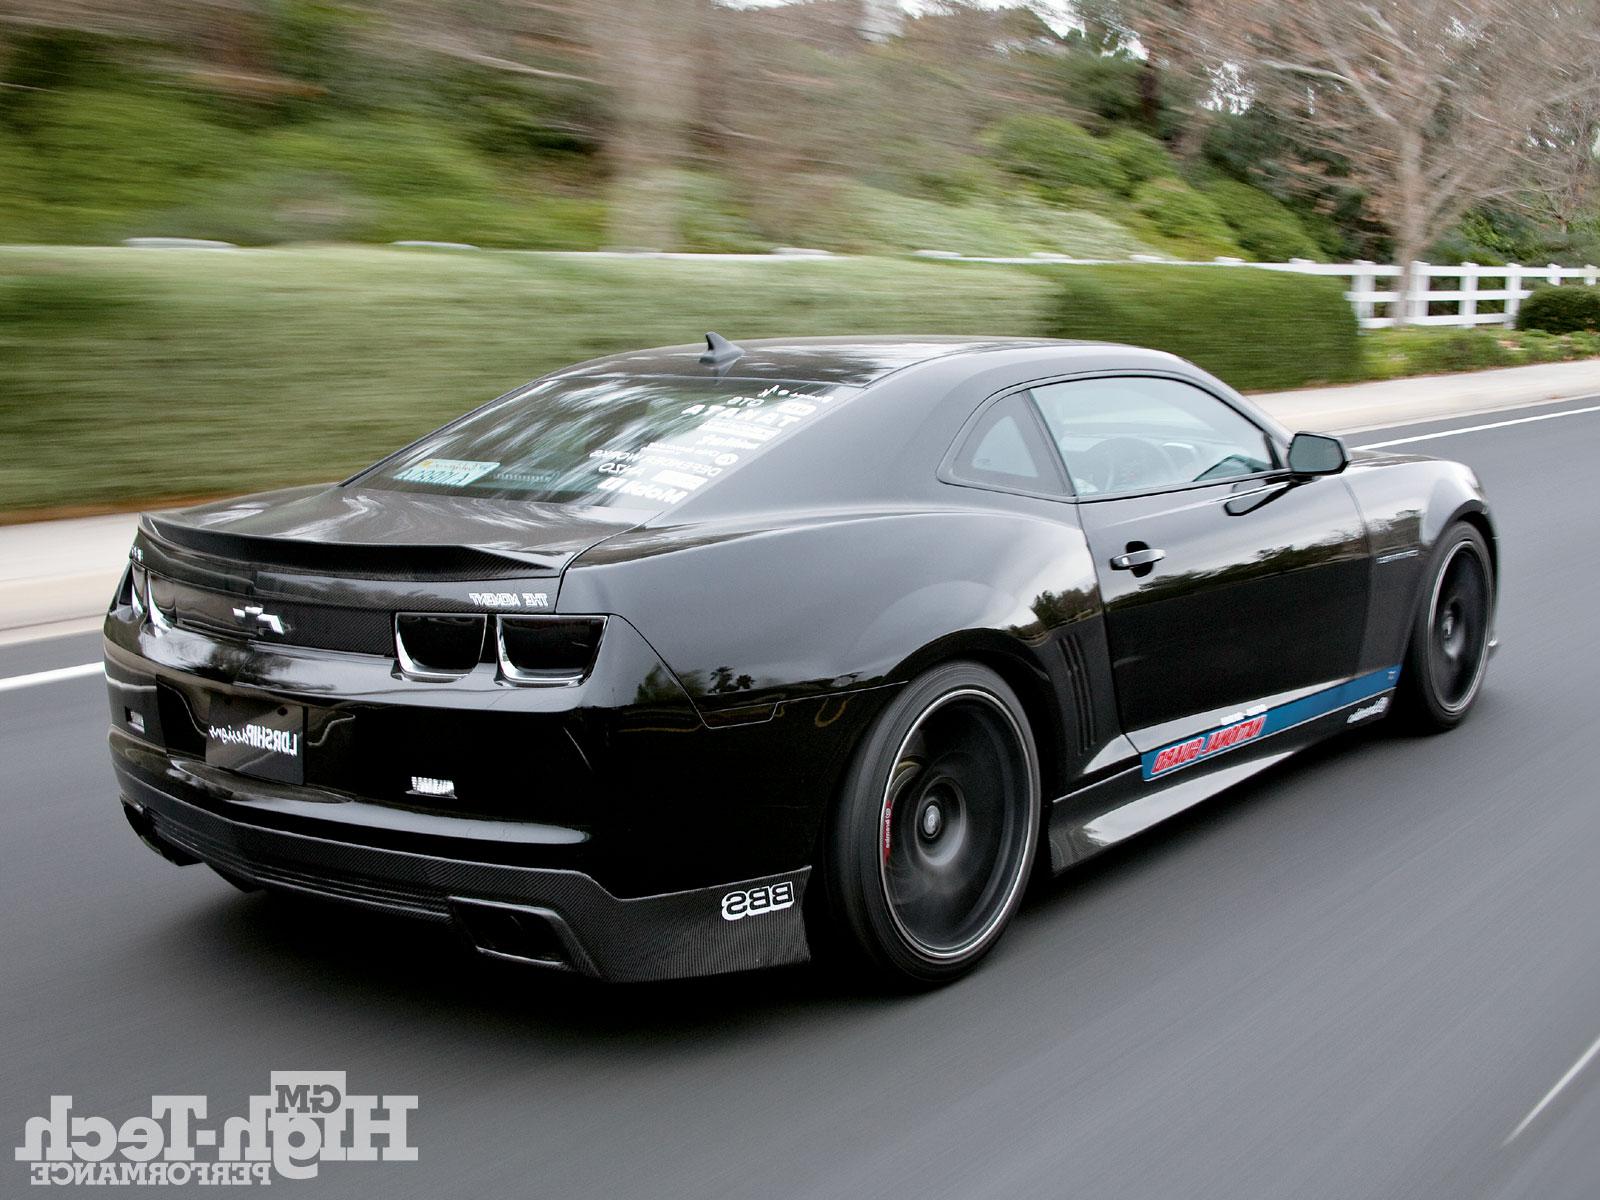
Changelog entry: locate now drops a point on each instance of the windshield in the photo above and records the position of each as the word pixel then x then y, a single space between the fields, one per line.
pixel 620 443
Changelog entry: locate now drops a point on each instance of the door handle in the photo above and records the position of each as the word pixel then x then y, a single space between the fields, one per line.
pixel 1136 558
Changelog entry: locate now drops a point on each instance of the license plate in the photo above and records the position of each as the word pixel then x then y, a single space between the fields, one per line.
pixel 255 738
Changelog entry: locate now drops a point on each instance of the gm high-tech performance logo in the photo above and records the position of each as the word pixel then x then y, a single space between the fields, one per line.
pixel 307 1119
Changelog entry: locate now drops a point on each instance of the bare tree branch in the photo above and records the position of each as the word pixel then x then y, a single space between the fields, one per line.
pixel 1431 105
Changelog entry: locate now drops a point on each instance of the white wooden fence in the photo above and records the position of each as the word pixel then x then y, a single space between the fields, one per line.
pixel 1477 295
pixel 1472 295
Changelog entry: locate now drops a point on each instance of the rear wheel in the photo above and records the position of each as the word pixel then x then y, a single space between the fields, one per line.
pixel 934 834
pixel 1449 649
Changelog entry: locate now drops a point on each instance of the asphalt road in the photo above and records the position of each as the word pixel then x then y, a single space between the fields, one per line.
pixel 1354 977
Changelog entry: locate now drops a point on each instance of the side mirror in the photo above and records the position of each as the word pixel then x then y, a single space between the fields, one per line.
pixel 1317 454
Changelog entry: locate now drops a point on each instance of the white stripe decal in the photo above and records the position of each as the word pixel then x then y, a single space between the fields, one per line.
pixel 1444 433
pixel 39 677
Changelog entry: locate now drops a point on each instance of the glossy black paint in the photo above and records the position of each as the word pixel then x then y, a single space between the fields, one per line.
pixel 752 634
pixel 1263 590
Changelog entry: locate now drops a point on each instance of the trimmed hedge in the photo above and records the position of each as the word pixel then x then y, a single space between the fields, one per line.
pixel 1255 329
pixel 132 374
pixel 1568 309
pixel 127 375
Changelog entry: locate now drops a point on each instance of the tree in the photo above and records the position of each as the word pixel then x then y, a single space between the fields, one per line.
pixel 1563 164
pixel 1433 104
pixel 1183 41
pixel 647 47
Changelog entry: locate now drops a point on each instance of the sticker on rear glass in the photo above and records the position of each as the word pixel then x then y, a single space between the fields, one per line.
pixel 678 479
pixel 445 472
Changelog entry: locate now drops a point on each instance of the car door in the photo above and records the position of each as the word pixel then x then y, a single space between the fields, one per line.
pixel 1226 581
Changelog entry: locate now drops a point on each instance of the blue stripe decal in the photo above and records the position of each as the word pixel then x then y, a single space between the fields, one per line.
pixel 1253 725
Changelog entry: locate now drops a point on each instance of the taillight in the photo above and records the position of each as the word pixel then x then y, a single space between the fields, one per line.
pixel 123 598
pixel 130 593
pixel 138 588
pixel 438 646
pixel 162 600
pixel 547 651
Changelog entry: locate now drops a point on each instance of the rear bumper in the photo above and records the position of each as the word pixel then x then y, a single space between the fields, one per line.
pixel 544 916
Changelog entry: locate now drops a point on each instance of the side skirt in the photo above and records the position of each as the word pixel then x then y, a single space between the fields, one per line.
pixel 1170 779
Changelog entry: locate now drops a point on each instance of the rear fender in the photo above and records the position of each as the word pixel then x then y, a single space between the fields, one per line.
pixel 825 604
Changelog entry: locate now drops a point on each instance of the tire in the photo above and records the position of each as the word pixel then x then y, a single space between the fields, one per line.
pixel 931 841
pixel 1448 653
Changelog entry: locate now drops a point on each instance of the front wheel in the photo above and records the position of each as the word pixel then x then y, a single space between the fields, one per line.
pixel 934 833
pixel 1449 649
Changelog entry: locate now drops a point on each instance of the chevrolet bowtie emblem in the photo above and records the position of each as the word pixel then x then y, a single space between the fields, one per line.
pixel 254 614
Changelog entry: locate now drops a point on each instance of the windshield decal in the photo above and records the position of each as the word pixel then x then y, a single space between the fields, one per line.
pixel 446 472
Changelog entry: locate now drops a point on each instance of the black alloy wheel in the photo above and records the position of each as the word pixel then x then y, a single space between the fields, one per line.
pixel 1450 641
pixel 936 830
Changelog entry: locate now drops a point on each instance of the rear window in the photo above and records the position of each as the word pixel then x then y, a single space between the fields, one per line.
pixel 618 443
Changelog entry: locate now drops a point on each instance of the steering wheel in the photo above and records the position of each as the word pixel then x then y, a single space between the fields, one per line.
pixel 1121 464
pixel 1233 464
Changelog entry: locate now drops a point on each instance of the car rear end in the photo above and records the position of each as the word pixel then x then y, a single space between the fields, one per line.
pixel 417 728
pixel 372 692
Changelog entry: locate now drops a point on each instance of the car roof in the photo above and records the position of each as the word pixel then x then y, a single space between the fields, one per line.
pixel 883 451
pixel 856 361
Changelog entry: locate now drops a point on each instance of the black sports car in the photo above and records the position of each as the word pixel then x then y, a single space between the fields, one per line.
pixel 686 661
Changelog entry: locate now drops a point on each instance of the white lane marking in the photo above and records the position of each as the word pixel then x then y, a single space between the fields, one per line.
pixel 21 681
pixel 1444 433
pixel 1561 1083
pixel 1493 410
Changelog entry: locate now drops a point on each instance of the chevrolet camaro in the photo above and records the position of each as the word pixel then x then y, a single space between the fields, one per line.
pixel 702 659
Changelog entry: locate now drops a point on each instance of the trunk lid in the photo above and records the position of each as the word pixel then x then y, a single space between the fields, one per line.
pixel 329 567
pixel 357 533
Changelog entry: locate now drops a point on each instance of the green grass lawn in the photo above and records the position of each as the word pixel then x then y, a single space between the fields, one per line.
pixel 127 375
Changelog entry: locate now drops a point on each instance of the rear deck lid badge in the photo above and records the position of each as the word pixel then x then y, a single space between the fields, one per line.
pixel 510 599
pixel 253 616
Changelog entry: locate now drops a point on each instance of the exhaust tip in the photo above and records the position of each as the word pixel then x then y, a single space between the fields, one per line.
pixel 520 933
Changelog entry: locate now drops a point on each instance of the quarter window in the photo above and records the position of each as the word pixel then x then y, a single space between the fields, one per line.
pixel 1143 433
pixel 1007 449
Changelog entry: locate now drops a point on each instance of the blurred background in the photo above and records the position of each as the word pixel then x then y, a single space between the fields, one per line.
pixel 904 138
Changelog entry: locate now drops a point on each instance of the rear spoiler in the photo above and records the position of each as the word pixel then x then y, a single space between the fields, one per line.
pixel 364 560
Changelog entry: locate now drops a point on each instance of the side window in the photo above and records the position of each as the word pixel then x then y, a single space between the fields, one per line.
pixel 1006 449
pixel 1139 433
